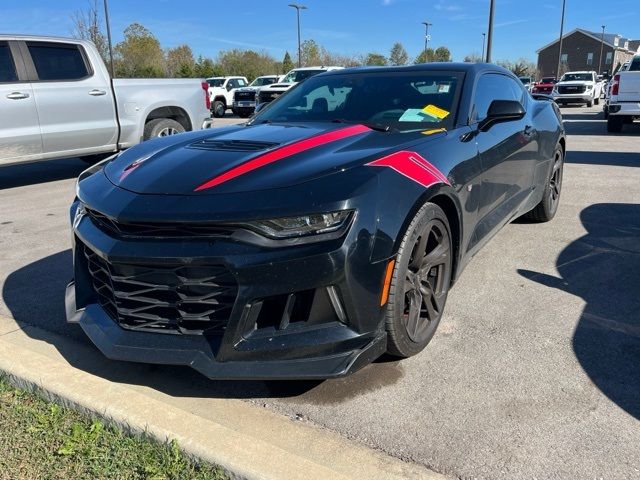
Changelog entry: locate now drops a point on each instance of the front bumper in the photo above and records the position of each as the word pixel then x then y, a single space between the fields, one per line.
pixel 199 352
pixel 585 97
pixel 335 337
pixel 244 104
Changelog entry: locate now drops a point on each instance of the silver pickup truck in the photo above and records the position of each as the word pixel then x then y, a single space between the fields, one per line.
pixel 57 99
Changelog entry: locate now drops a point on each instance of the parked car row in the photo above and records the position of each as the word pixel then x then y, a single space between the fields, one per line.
pixel 242 98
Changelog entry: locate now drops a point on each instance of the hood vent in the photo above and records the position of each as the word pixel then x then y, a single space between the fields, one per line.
pixel 232 145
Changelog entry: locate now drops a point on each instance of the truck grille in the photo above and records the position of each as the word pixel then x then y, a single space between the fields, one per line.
pixel 178 299
pixel 156 229
pixel 245 96
pixel 266 97
pixel 569 89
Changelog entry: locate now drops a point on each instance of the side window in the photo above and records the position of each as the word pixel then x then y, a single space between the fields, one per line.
pixel 7 67
pixel 56 61
pixel 241 82
pixel 494 86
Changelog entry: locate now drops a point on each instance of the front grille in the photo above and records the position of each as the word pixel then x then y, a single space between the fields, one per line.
pixel 156 229
pixel 569 89
pixel 232 145
pixel 266 97
pixel 245 96
pixel 179 299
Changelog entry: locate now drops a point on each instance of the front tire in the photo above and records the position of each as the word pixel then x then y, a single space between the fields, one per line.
pixel 548 206
pixel 420 282
pixel 162 127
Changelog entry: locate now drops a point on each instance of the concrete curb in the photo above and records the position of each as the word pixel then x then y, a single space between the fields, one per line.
pixel 247 442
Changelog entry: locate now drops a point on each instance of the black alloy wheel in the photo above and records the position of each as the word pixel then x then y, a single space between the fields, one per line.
pixel 420 282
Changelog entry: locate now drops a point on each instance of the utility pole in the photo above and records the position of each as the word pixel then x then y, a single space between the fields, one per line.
pixel 426 38
pixel 561 33
pixel 601 51
pixel 484 37
pixel 106 21
pixel 298 7
pixel 490 31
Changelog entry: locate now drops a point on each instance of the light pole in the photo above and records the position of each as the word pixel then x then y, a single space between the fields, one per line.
pixel 601 51
pixel 106 21
pixel 561 33
pixel 426 38
pixel 298 7
pixel 490 34
pixel 484 37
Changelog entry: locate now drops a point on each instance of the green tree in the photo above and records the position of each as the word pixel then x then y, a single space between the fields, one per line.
pixel 311 53
pixel 473 58
pixel 521 68
pixel 247 63
pixel 442 54
pixel 139 54
pixel 287 63
pixel 205 68
pixel 180 62
pixel 398 55
pixel 375 59
pixel 425 56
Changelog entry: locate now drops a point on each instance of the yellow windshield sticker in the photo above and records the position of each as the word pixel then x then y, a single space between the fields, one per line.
pixel 436 112
pixel 434 130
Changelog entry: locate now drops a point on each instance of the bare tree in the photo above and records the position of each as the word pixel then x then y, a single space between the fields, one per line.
pixel 87 25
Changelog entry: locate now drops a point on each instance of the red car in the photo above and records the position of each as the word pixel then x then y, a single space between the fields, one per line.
pixel 545 85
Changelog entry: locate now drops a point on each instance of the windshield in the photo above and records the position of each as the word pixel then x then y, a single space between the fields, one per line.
pixel 296 76
pixel 548 80
pixel 399 101
pixel 215 82
pixel 262 81
pixel 577 77
pixel 525 80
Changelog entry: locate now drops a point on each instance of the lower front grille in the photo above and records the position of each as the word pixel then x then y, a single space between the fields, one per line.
pixel 187 299
pixel 245 96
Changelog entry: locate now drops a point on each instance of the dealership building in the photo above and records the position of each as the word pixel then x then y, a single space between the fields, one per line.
pixel 581 51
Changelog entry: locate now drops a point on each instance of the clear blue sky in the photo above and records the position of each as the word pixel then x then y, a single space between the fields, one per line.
pixel 342 26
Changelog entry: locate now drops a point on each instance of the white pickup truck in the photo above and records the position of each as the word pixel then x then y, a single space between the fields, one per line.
pixel 57 100
pixel 221 92
pixel 578 87
pixel 624 97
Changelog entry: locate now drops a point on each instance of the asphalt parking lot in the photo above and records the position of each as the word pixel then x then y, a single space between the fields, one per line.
pixel 533 373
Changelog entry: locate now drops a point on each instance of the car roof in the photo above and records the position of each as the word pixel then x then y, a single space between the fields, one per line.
pixel 43 38
pixel 464 67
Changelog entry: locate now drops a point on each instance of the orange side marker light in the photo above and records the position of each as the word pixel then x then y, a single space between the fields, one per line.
pixel 387 282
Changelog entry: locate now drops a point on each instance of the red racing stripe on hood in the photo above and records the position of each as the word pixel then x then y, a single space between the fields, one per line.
pixel 413 166
pixel 284 152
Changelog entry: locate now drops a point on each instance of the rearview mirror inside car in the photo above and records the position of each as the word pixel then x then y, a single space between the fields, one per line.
pixel 502 111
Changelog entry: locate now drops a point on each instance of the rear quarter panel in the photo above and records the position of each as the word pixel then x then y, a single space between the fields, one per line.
pixel 137 98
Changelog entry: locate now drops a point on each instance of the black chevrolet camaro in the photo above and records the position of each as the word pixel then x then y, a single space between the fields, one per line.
pixel 323 233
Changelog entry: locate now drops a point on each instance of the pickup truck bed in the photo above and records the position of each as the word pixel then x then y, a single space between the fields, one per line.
pixel 624 102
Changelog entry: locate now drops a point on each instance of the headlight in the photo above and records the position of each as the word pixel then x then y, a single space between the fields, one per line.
pixel 303 226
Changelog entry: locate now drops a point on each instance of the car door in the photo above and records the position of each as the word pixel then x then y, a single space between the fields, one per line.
pixel 508 154
pixel 20 138
pixel 75 103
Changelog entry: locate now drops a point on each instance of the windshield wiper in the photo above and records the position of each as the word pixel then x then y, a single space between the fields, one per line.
pixel 378 127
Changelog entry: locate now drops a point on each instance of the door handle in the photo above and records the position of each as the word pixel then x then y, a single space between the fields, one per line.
pixel 529 131
pixel 17 96
pixel 97 93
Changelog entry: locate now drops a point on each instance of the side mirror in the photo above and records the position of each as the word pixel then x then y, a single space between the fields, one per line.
pixel 229 87
pixel 502 111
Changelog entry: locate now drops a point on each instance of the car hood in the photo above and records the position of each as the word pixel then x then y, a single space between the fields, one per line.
pixel 575 83
pixel 247 158
pixel 247 89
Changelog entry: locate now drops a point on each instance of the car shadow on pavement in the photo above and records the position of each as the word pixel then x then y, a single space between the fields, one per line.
pixel 620 159
pixel 23 174
pixel 603 268
pixel 34 295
